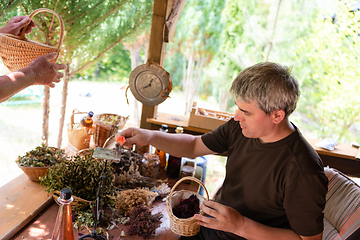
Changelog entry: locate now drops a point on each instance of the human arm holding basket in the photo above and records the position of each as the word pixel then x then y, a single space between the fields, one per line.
pixel 40 72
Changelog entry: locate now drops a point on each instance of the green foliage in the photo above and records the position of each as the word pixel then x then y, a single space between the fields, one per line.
pixel 41 156
pixel 197 34
pixel 115 66
pixel 81 175
pixel 91 28
pixel 330 67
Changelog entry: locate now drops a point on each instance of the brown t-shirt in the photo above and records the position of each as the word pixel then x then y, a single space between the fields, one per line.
pixel 280 184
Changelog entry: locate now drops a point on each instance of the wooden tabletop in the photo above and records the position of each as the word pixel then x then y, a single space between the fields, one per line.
pixel 20 201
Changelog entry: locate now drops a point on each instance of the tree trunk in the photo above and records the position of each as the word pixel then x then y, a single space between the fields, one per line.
pixel 63 105
pixel 273 32
pixel 223 99
pixel 191 80
pixel 45 135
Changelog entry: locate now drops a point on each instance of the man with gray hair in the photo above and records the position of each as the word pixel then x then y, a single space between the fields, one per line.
pixel 275 184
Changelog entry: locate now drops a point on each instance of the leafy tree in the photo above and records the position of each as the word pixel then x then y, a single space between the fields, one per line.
pixel 197 38
pixel 330 90
pixel 91 29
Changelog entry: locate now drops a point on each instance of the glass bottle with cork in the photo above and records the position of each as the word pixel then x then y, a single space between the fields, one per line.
pixel 161 154
pixel 87 122
pixel 174 163
pixel 63 226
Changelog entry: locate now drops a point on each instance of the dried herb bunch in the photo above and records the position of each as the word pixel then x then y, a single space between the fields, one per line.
pixel 41 156
pixel 143 222
pixel 82 175
pixel 126 200
pixel 127 173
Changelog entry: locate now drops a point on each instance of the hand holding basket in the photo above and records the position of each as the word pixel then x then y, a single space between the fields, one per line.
pixel 18 52
pixel 183 226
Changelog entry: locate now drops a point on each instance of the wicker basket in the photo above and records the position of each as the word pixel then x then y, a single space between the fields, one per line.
pixel 34 173
pixel 18 52
pixel 76 204
pixel 78 136
pixel 102 130
pixel 183 226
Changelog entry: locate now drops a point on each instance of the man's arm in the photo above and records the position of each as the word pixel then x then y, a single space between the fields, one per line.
pixel 180 145
pixel 40 72
pixel 227 219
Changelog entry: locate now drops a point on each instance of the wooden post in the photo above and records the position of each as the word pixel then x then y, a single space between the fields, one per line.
pixel 156 50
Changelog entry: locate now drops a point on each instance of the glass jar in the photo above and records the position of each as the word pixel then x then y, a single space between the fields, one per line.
pixel 150 165
pixel 188 168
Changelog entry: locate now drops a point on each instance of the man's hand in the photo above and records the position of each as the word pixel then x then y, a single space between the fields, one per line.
pixel 135 136
pixel 44 72
pixel 222 218
pixel 227 219
pixel 16 24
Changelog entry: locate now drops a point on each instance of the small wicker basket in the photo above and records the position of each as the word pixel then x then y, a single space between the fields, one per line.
pixel 34 173
pixel 104 128
pixel 78 136
pixel 18 52
pixel 183 226
pixel 76 204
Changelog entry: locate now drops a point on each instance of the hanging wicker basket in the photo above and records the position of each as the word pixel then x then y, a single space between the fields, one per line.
pixel 17 52
pixel 106 125
pixel 183 226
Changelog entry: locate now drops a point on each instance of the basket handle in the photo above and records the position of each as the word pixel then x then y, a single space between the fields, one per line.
pixel 22 34
pixel 75 111
pixel 192 179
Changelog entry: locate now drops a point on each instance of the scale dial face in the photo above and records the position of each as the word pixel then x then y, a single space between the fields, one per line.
pixel 147 84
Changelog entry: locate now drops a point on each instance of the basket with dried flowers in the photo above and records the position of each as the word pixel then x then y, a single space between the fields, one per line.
pixel 106 125
pixel 183 226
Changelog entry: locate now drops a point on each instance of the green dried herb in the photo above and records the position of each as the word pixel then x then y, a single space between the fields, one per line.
pixel 82 175
pixel 41 156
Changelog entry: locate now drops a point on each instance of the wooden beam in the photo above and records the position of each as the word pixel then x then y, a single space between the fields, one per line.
pixel 166 14
pixel 155 52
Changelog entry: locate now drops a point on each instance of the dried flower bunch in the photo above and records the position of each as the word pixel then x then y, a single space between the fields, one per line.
pixel 143 222
pixel 41 156
pixel 127 173
pixel 82 175
pixel 187 208
pixel 127 157
pixel 126 200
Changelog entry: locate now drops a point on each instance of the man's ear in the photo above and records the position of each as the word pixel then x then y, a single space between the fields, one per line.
pixel 278 116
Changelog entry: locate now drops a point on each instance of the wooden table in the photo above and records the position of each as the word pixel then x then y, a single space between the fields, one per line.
pixel 27 212
pixel 20 201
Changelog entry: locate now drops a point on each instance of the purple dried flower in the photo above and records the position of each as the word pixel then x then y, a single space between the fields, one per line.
pixel 142 222
pixel 187 208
